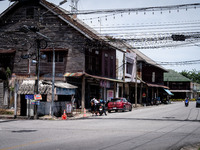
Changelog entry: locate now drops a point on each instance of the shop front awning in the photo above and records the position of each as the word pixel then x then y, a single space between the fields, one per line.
pixel 27 87
pixel 157 85
pixel 61 84
pixel 45 87
pixel 76 74
pixel 168 92
pixel 7 51
pixel 79 74
pixel 103 78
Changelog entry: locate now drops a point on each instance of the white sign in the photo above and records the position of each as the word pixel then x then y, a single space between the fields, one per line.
pixel 69 108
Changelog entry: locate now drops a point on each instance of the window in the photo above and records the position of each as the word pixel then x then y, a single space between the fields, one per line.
pixel 30 13
pixel 111 66
pixel 129 68
pixel 129 65
pixel 59 57
pixel 49 58
pixel 106 66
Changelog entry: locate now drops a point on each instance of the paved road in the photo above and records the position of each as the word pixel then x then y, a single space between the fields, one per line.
pixel 162 127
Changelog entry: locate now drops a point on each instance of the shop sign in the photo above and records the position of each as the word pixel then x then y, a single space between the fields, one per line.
pixel 37 97
pixel 69 108
pixel 105 84
pixel 29 96
pixel 110 94
pixel 34 102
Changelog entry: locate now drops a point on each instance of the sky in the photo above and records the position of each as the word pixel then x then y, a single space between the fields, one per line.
pixel 145 24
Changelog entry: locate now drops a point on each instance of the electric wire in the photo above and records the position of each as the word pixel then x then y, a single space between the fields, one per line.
pixel 156 8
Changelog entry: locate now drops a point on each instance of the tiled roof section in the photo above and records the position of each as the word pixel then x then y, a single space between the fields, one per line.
pixel 76 22
pixel 175 77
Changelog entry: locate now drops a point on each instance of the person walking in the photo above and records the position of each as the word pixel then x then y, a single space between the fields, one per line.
pixel 92 106
pixel 96 106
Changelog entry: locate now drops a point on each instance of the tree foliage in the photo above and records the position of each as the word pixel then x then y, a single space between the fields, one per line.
pixel 193 75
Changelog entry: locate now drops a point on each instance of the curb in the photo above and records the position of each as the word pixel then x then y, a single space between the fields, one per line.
pixel 75 117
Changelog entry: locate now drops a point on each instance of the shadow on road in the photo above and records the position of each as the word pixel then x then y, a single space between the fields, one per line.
pixel 24 131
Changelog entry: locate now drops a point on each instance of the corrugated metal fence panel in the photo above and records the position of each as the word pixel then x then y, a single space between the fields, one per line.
pixel 59 107
pixel 44 108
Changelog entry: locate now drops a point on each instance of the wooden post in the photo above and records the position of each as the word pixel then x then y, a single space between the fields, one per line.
pixel 123 75
pixel 136 83
pixel 141 87
pixel 15 97
pixel 38 76
pixel 147 95
pixel 83 94
pixel 115 84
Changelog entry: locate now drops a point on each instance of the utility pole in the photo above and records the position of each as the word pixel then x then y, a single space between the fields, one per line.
pixel 38 76
pixel 74 6
pixel 53 81
pixel 83 94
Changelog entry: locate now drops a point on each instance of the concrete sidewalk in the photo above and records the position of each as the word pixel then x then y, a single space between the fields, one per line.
pixel 48 117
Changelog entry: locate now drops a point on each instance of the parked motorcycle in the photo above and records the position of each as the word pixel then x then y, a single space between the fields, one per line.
pixel 101 109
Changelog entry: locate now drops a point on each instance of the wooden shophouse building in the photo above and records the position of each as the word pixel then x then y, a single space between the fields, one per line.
pixel 82 58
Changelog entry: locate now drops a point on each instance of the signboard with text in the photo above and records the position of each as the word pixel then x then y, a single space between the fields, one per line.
pixel 37 97
pixel 110 94
pixel 69 108
pixel 29 96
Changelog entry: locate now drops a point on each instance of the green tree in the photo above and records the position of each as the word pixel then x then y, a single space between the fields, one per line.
pixel 193 75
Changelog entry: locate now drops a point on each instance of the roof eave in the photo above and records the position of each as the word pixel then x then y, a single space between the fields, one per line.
pixel 65 20
pixel 8 9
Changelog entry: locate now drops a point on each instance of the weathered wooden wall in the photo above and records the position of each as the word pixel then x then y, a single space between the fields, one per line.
pixel 62 35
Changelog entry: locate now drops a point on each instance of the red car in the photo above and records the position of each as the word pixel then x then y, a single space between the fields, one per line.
pixel 119 104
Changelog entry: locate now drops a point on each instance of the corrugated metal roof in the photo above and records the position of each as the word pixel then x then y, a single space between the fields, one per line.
pixel 61 84
pixel 143 57
pixel 45 87
pixel 27 87
pixel 78 74
pixel 157 85
pixel 103 78
pixel 174 76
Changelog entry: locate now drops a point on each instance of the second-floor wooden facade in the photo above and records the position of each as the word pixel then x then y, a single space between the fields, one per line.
pixel 77 47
